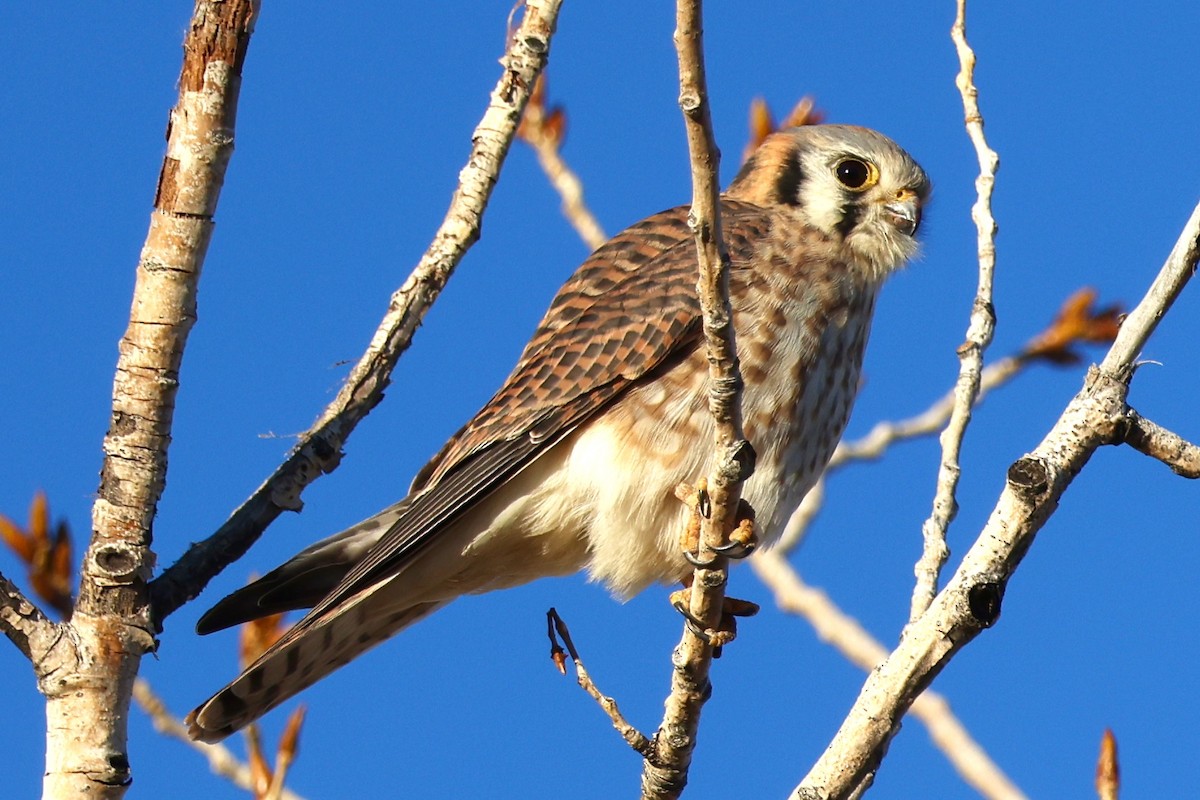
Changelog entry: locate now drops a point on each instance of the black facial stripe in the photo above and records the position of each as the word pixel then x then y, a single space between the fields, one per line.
pixel 851 214
pixel 787 183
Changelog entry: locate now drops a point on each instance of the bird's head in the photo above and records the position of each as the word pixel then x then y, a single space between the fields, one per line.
pixel 855 185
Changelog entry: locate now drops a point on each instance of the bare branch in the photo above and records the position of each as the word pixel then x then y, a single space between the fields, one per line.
pixel 970 602
pixel 847 636
pixel 979 335
pixel 87 707
pixel 1120 362
pixel 1180 455
pixel 928 422
pixel 220 760
pixel 25 624
pixel 543 129
pixel 319 449
pixel 632 736
pixel 665 775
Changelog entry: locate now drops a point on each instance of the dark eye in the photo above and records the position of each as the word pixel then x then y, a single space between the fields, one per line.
pixel 854 173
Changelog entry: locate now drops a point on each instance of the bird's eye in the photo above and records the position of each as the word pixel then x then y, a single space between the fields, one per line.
pixel 854 173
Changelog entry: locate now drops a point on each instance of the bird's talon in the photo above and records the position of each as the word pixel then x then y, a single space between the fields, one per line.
pixel 695 560
pixel 694 625
pixel 735 549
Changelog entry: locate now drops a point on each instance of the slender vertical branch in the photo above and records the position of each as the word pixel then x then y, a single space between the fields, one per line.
pixel 319 449
pixel 87 706
pixel 979 334
pixel 665 775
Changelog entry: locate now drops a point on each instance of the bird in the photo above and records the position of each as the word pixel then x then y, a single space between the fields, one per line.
pixel 573 463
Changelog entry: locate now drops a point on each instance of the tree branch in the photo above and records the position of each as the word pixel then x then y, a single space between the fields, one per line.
pixel 556 628
pixel 970 602
pixel 848 637
pixel 665 775
pixel 1142 435
pixel 319 449
pixel 26 626
pixel 220 760
pixel 979 335
pixel 884 434
pixel 87 708
pixel 543 130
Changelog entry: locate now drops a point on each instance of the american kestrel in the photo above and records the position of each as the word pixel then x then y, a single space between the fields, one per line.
pixel 573 463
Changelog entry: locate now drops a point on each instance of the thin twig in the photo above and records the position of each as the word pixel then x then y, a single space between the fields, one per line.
pixel 1078 321
pixel 928 422
pixel 319 449
pixel 543 131
pixel 1120 362
pixel 1180 455
pixel 556 628
pixel 665 775
pixel 979 335
pixel 847 636
pixel 970 601
pixel 220 759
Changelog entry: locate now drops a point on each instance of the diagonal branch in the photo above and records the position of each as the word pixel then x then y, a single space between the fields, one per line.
pixel 319 449
pixel 979 335
pixel 25 624
pixel 544 130
pixel 970 602
pixel 220 759
pixel 665 775
pixel 847 636
pixel 1146 437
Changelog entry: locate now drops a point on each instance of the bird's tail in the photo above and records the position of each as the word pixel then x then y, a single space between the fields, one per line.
pixel 297 661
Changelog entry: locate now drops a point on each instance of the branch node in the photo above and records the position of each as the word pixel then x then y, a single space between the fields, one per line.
pixel 116 564
pixel 1029 477
pixel 984 600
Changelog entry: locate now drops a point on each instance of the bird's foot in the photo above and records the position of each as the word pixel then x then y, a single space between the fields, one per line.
pixel 726 630
pixel 742 540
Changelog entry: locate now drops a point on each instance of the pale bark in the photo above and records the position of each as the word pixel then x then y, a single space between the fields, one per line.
pixel 88 691
pixel 665 774
pixel 970 602
pixel 320 449
pixel 980 329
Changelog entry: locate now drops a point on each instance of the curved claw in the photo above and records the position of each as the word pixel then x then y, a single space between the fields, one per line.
pixel 694 625
pixel 735 549
pixel 695 561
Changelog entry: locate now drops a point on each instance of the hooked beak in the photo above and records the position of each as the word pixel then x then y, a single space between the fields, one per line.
pixel 904 212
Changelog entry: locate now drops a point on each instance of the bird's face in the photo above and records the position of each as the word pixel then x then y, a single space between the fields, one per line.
pixel 863 189
pixel 856 186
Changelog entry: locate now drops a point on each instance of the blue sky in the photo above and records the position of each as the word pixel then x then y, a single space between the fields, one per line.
pixel 351 132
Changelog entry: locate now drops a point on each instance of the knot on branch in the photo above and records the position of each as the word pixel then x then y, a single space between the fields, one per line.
pixel 115 564
pixel 984 600
pixel 1029 477
pixel 536 45
pixel 738 463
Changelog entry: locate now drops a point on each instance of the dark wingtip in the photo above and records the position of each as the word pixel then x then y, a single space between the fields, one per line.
pixel 241 606
pixel 201 734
